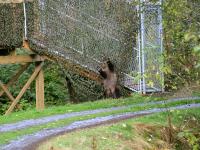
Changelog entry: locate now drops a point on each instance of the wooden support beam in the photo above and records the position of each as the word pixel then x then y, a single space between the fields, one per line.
pixel 20 59
pixel 79 70
pixel 15 77
pixel 7 91
pixel 40 90
pixel 26 86
pixel 26 45
pixel 84 72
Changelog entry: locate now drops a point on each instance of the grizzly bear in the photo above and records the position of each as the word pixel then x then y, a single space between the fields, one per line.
pixel 110 80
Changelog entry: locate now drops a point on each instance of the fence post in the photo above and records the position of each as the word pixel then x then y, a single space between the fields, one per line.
pixel 142 46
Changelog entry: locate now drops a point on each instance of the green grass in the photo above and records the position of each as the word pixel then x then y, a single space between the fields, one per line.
pixel 116 136
pixel 7 136
pixel 33 114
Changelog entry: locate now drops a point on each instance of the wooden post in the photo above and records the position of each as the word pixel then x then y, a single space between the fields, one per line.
pixel 40 90
pixel 26 86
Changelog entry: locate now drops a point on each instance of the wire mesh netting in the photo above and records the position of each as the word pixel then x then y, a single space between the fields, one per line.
pixel 151 47
pixel 85 32
pixel 11 25
pixel 82 34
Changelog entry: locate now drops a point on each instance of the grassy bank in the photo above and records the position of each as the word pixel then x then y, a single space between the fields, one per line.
pixel 149 132
pixel 33 114
pixel 7 136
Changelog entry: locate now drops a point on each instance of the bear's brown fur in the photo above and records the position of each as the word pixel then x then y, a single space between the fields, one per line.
pixel 110 80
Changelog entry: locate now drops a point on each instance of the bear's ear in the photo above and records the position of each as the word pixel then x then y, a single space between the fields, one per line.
pixel 103 74
pixel 110 66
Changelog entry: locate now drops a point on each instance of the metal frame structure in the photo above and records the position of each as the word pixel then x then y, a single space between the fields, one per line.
pixel 142 46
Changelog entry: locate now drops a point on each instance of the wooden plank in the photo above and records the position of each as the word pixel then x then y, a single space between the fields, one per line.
pixel 78 69
pixel 26 86
pixel 84 72
pixel 7 92
pixel 40 90
pixel 15 77
pixel 20 59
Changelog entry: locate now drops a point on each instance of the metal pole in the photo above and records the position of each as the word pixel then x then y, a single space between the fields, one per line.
pixel 25 21
pixel 161 42
pixel 139 63
pixel 142 46
pixel 139 88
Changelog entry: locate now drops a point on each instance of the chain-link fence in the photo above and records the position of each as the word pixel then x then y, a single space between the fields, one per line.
pixel 150 47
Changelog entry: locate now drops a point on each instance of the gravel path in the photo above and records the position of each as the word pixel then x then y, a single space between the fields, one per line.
pixel 29 142
pixel 33 122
